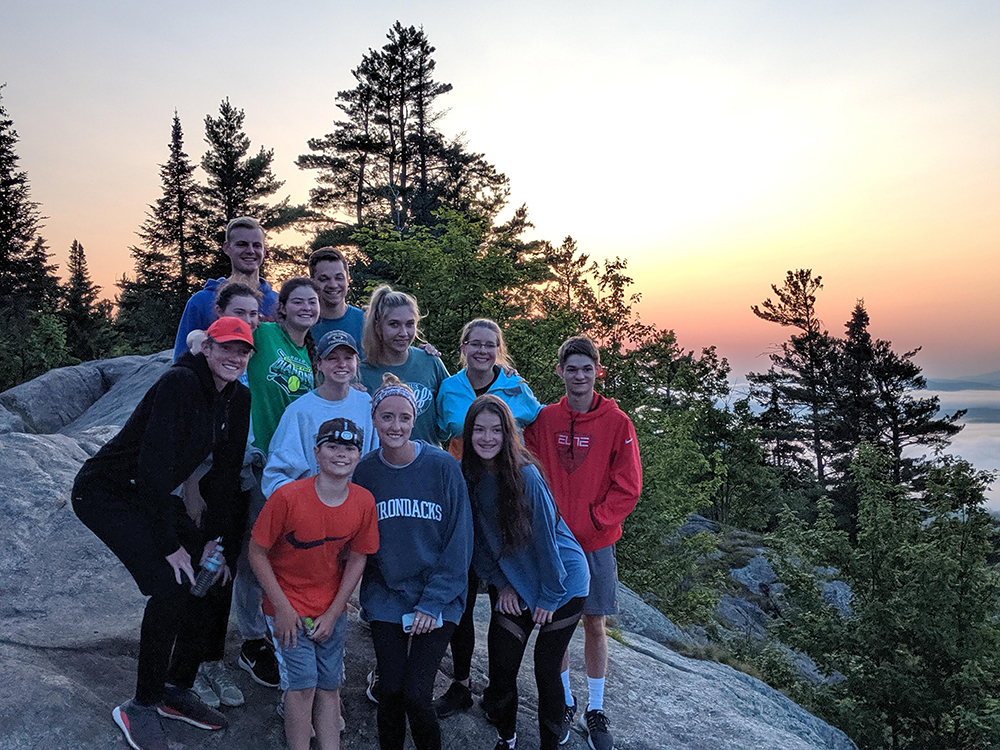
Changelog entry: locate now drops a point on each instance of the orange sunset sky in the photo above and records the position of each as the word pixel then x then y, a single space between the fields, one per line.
pixel 714 144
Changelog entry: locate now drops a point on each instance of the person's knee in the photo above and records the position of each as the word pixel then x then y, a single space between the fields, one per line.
pixel 594 626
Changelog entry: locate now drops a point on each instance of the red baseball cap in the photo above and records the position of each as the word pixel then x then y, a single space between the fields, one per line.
pixel 231 329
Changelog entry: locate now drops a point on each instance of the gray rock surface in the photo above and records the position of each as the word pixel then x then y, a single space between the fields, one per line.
pixel 757 571
pixel 695 524
pixel 839 594
pixel 635 616
pixel 10 422
pixel 745 617
pixel 71 614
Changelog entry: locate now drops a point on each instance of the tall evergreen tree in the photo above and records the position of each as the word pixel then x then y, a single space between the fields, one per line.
pixel 87 318
pixel 32 339
pixel 238 184
pixel 387 160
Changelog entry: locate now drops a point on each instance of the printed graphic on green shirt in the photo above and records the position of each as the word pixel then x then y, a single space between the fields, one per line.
pixel 288 372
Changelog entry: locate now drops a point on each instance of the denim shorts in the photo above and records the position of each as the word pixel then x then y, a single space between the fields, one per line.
pixel 603 597
pixel 310 664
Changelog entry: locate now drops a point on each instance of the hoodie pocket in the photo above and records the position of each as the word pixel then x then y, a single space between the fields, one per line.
pixel 593 518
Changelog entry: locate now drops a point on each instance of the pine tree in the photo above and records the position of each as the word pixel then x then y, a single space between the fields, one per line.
pixel 32 339
pixel 87 321
pixel 238 184
pixel 387 160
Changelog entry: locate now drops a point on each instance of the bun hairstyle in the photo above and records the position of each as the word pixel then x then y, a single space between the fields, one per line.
pixel 383 299
pixel 286 291
pixel 393 386
pixel 513 510
pixel 503 356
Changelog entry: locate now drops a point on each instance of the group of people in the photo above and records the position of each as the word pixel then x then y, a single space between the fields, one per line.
pixel 315 448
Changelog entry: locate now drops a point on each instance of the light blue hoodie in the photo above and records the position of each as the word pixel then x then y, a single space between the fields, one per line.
pixel 455 396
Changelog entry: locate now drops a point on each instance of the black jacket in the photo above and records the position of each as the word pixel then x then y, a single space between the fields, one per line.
pixel 180 421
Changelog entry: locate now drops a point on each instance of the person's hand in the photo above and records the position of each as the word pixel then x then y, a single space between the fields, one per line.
pixel 323 625
pixel 507 602
pixel 181 561
pixel 223 572
pixel 287 624
pixel 430 349
pixel 423 623
pixel 542 616
pixel 194 503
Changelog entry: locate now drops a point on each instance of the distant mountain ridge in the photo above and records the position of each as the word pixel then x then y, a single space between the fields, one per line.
pixel 989 381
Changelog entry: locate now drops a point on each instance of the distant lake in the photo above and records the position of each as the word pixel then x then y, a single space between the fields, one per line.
pixel 979 442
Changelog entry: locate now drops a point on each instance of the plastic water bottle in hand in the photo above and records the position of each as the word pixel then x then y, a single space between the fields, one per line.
pixel 209 571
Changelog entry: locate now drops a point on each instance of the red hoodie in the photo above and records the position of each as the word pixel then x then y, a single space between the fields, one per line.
pixel 592 464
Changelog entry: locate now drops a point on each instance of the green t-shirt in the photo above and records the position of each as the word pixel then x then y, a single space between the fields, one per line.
pixel 279 372
pixel 423 373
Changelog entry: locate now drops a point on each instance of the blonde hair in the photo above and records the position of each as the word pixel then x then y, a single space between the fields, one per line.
pixel 393 386
pixel 244 222
pixel 503 356
pixel 383 299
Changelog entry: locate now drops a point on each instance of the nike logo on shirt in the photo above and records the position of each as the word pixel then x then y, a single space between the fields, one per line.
pixel 290 538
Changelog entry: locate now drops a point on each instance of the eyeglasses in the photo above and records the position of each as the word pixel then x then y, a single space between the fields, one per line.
pixel 487 345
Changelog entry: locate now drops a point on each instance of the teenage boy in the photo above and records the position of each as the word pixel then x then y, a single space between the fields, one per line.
pixel 590 454
pixel 328 267
pixel 308 549
pixel 246 249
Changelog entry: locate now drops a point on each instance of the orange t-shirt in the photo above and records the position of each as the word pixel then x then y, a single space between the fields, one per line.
pixel 308 542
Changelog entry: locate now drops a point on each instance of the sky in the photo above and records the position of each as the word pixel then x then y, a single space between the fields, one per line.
pixel 715 145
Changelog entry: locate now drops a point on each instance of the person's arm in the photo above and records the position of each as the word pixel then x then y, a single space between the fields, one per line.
pixel 525 406
pixel 450 577
pixel 287 458
pixel 625 474
pixel 551 572
pixel 192 319
pixel 286 619
pixel 352 574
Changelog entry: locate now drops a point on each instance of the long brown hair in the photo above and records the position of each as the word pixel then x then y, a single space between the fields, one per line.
pixel 514 511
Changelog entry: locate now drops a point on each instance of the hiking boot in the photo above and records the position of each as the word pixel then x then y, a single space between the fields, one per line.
pixel 456 698
pixel 204 690
pixel 567 722
pixel 595 723
pixel 372 686
pixel 221 679
pixel 257 657
pixel 141 726
pixel 183 705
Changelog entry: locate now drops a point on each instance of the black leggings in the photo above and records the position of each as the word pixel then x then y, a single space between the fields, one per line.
pixel 463 642
pixel 406 670
pixel 173 620
pixel 507 639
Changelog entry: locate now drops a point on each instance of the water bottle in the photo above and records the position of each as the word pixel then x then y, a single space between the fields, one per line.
pixel 209 570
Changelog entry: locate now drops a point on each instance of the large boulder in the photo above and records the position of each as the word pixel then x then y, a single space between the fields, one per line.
pixel 71 615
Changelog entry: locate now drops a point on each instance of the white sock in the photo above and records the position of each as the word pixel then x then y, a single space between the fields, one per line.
pixel 567 693
pixel 511 742
pixel 596 687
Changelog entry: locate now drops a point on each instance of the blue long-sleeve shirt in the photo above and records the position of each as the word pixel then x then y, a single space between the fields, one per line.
pixel 199 312
pixel 425 533
pixel 547 570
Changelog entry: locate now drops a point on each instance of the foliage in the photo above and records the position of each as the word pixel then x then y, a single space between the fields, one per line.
pixel 919 651
pixel 87 320
pixel 386 160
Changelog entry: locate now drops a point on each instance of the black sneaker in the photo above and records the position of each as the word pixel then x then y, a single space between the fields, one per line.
pixel 568 721
pixel 370 691
pixel 183 705
pixel 141 726
pixel 456 698
pixel 502 744
pixel 595 723
pixel 257 657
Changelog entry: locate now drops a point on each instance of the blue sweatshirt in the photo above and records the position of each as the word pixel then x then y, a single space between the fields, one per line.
pixel 547 570
pixel 455 396
pixel 425 533
pixel 199 312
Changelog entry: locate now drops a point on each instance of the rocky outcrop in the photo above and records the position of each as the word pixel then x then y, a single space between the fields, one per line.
pixel 71 615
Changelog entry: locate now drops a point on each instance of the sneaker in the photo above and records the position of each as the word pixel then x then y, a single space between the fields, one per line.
pixel 372 686
pixel 502 744
pixel 456 698
pixel 257 657
pixel 595 724
pixel 221 680
pixel 568 721
pixel 141 726
pixel 204 690
pixel 183 705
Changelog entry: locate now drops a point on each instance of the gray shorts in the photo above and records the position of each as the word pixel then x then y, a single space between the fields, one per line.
pixel 603 597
